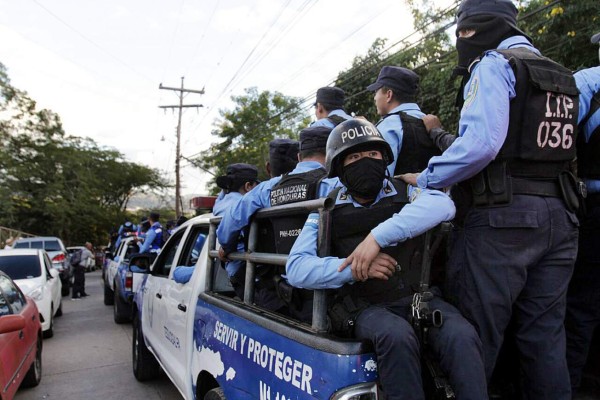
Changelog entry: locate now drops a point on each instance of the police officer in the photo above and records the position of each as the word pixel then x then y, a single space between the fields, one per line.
pixel 583 298
pixel 514 252
pixel 307 181
pixel 283 156
pixel 393 213
pixel 395 99
pixel 126 229
pixel 241 178
pixel 329 107
pixel 154 236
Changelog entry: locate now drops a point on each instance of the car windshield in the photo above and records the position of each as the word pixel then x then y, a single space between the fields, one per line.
pixel 21 267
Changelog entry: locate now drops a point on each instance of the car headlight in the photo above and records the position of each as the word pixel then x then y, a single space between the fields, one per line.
pixel 37 293
pixel 362 391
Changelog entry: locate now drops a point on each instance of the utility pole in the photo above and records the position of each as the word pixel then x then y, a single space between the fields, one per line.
pixel 181 106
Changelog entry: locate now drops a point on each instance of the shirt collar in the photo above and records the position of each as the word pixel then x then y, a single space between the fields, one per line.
pixel 517 41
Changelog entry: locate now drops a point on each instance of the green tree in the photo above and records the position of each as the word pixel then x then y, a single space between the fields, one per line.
pixel 59 185
pixel 245 131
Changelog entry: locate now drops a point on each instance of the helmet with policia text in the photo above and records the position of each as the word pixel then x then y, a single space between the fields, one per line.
pixel 351 136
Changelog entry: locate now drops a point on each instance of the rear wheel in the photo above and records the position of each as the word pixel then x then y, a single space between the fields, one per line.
pixel 108 296
pixel 215 394
pixel 119 309
pixel 145 366
pixel 59 311
pixel 34 374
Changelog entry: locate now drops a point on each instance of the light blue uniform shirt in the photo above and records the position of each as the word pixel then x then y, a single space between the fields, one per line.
pixel 328 123
pixel 149 238
pixel 588 83
pixel 222 208
pixel 427 208
pixel 238 217
pixel 391 129
pixel 483 124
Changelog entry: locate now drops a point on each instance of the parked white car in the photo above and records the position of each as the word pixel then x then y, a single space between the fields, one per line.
pixel 31 270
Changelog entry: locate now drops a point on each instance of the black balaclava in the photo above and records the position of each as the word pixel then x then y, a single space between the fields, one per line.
pixel 364 177
pixel 490 31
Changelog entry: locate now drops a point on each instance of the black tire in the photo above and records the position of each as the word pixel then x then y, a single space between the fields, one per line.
pixel 50 332
pixel 108 296
pixel 65 290
pixel 119 309
pixel 34 373
pixel 59 311
pixel 145 366
pixel 215 394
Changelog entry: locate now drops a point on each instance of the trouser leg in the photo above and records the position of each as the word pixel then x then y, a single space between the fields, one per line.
pixel 397 350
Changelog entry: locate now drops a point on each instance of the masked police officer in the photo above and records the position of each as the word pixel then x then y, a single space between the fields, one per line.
pixel 395 99
pixel 583 298
pixel 329 107
pixel 514 252
pixel 392 213
pixel 283 156
pixel 307 181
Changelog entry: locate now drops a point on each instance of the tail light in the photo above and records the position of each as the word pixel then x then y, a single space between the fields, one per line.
pixel 129 280
pixel 59 258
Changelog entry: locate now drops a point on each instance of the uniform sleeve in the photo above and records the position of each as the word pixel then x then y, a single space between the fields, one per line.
pixel 305 269
pixel 427 209
pixel 483 125
pixel 391 130
pixel 238 216
pixel 150 236
pixel 588 83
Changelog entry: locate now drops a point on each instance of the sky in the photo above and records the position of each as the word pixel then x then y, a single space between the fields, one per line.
pixel 98 64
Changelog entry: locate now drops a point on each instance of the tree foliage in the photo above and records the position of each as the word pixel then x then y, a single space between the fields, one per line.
pixel 59 185
pixel 245 131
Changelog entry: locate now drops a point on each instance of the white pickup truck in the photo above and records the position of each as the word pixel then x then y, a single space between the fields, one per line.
pixel 213 345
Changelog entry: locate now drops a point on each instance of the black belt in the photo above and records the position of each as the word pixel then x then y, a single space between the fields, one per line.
pixel 536 187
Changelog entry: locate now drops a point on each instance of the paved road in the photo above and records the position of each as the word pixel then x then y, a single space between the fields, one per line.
pixel 90 356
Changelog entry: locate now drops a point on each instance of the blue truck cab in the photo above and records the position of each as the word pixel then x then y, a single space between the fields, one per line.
pixel 214 345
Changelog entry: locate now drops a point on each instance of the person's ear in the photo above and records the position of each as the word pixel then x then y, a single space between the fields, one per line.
pixel 268 167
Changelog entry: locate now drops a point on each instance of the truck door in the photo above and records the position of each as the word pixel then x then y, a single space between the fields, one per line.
pixel 180 302
pixel 155 316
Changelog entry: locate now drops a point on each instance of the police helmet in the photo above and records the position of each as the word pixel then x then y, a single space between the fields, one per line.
pixel 353 135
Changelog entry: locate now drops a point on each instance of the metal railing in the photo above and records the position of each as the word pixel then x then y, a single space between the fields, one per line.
pixel 11 234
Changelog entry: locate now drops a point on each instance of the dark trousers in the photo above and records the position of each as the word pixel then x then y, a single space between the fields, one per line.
pixel 516 262
pixel 78 281
pixel 455 345
pixel 583 298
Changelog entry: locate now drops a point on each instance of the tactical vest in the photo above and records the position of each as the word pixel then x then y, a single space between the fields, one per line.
pixel 542 129
pixel 350 225
pixel 278 234
pixel 336 120
pixel 417 147
pixel 588 161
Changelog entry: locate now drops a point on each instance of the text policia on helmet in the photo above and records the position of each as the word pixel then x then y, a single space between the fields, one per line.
pixel 359 131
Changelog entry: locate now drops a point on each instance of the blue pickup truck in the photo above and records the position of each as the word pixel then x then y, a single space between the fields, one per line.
pixel 121 280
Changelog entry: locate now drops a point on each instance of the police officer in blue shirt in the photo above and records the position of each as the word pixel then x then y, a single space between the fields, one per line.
pixel 241 178
pixel 283 156
pixel 126 229
pixel 394 215
pixel 329 107
pixel 514 251
pixel 153 240
pixel 583 298
pixel 307 181
pixel 395 99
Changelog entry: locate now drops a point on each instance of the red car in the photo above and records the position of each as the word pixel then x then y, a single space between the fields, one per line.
pixel 20 340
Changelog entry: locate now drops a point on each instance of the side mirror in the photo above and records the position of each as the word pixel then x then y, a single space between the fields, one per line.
pixel 140 263
pixel 11 323
pixel 53 273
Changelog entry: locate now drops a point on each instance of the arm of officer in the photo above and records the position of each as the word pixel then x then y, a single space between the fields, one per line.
pixel 150 235
pixel 427 209
pixel 483 125
pixel 238 216
pixel 438 135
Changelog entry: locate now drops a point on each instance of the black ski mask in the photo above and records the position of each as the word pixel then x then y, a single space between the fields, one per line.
pixel 489 32
pixel 364 178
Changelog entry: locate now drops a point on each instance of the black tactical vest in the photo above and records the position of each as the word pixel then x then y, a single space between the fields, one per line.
pixel 588 159
pixel 417 147
pixel 336 119
pixel 542 129
pixel 350 225
pixel 278 234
